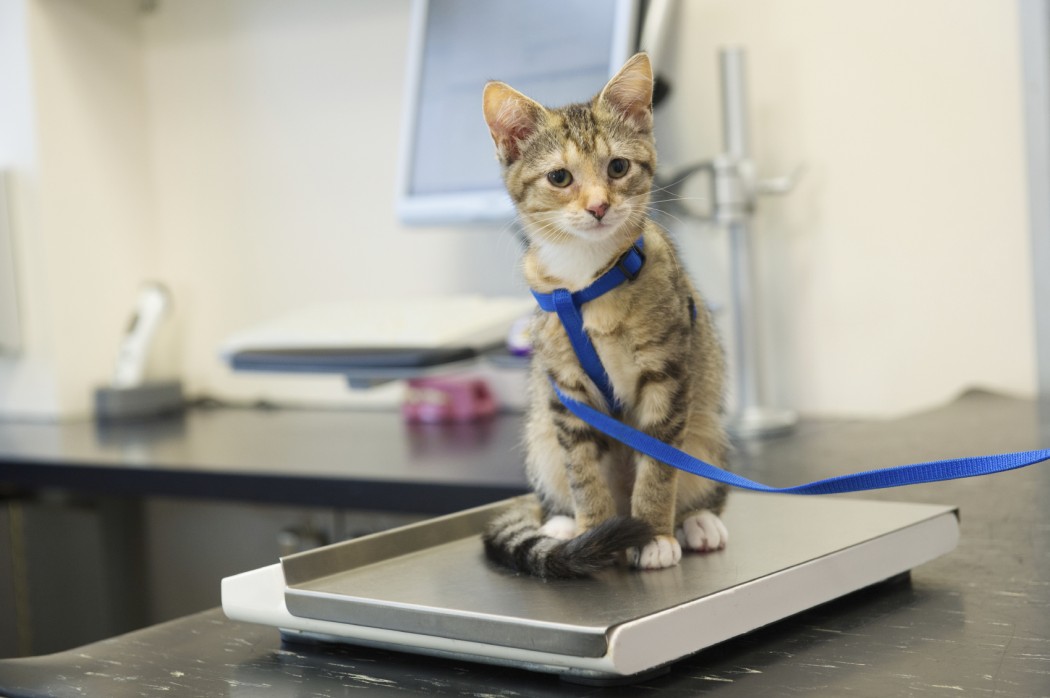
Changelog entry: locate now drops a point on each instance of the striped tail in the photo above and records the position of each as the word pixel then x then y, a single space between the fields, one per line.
pixel 513 540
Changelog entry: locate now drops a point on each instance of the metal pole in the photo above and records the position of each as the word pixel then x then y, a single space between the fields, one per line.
pixel 736 208
pixel 745 337
pixel 734 103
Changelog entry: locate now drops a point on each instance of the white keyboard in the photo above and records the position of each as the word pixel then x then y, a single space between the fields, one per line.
pixel 437 321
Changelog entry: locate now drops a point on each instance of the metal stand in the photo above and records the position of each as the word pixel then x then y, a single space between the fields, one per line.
pixel 735 189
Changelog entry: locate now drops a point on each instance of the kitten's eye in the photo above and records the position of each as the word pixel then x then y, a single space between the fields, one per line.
pixel 618 167
pixel 560 178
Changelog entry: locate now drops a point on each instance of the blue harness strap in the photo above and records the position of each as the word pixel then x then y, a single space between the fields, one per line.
pixel 571 317
pixel 568 307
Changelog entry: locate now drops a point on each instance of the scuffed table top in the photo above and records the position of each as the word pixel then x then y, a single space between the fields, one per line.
pixel 975 622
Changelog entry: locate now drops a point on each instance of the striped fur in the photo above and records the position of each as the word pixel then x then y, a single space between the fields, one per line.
pixel 515 541
pixel 654 336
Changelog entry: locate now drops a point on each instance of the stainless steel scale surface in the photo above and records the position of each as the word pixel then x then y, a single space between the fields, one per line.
pixel 427 587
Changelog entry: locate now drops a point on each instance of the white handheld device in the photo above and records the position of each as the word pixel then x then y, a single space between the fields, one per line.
pixel 152 304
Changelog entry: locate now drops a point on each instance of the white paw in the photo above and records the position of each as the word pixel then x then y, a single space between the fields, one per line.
pixel 560 527
pixel 660 552
pixel 702 532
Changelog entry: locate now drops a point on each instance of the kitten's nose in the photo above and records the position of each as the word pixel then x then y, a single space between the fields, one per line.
pixel 598 210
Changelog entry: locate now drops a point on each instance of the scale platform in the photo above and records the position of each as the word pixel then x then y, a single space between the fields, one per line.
pixel 428 588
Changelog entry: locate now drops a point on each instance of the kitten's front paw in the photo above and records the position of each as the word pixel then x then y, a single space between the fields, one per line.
pixel 702 532
pixel 560 527
pixel 660 552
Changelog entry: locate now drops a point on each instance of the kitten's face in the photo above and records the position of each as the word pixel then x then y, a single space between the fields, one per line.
pixel 584 171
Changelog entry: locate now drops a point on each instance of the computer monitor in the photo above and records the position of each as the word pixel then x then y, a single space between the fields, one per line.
pixel 555 51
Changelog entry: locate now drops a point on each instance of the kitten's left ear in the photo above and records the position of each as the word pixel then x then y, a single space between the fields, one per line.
pixel 630 92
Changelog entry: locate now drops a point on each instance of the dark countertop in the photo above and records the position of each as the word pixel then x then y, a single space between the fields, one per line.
pixel 974 622
pixel 340 458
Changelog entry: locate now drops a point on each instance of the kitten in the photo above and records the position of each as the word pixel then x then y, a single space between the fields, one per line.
pixel 580 177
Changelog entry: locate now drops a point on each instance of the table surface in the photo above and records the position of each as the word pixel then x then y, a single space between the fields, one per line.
pixel 332 458
pixel 976 621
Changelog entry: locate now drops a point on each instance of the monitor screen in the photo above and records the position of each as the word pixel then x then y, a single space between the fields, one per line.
pixel 555 51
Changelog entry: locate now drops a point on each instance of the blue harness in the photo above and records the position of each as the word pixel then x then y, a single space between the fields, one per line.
pixel 569 307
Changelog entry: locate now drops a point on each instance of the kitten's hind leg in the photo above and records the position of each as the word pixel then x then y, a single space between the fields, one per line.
pixel 560 527
pixel 702 532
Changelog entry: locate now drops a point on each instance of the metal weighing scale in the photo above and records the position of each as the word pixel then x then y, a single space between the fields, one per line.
pixel 427 588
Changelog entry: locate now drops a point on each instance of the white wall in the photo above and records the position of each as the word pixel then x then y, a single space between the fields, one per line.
pixel 898 273
pixel 275 132
pixel 98 237
pixel 244 152
pixel 74 146
pixel 26 384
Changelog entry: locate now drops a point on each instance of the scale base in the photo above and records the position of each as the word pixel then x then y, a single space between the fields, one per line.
pixel 428 589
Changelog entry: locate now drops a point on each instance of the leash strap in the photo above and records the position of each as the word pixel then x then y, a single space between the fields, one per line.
pixel 881 478
pixel 568 307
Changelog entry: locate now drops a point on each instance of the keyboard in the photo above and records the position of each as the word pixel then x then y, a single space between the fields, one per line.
pixel 377 333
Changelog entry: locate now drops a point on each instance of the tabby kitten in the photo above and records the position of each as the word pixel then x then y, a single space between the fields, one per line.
pixel 580 177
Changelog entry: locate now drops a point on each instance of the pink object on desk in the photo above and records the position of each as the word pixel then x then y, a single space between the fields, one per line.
pixel 447 400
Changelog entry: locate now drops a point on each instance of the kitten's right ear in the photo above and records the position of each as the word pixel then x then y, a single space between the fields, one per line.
pixel 512 117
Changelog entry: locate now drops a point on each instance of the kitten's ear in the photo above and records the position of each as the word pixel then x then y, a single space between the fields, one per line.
pixel 512 117
pixel 630 92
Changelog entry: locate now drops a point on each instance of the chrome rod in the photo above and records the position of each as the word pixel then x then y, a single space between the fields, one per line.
pixel 734 206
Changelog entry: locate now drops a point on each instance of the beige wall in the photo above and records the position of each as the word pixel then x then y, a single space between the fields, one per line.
pixel 27 384
pixel 898 272
pixel 244 152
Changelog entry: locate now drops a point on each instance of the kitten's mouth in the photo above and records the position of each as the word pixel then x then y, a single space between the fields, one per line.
pixel 603 227
pixel 591 229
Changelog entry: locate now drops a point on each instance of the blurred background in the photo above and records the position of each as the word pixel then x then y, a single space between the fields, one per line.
pixel 246 154
pixel 256 159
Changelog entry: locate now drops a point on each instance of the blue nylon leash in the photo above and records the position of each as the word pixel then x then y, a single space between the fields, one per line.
pixel 568 306
pixel 881 478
